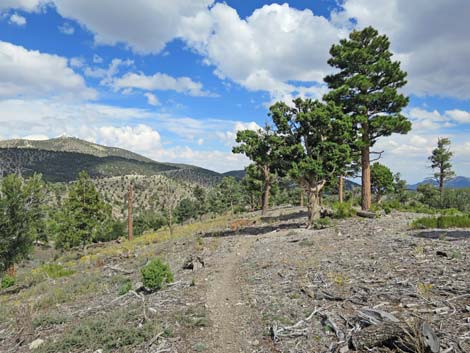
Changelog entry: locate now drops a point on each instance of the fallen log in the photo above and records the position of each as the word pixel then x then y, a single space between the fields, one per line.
pixel 366 214
pixel 383 334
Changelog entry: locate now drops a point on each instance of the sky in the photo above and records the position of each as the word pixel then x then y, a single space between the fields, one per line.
pixel 175 80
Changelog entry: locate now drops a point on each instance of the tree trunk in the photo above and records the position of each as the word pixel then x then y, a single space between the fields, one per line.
pixel 313 206
pixel 11 271
pixel 301 198
pixel 340 189
pixel 441 187
pixel 366 184
pixel 267 190
pixel 130 225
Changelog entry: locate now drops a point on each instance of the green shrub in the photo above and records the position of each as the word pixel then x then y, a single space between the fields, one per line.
pixel 8 281
pixel 343 210
pixel 424 223
pixel 322 223
pixel 156 274
pixel 442 222
pixel 54 271
pixel 125 287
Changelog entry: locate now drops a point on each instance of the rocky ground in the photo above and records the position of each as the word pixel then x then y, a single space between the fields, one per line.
pixel 367 285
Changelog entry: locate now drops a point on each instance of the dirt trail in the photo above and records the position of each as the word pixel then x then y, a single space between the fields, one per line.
pixel 226 306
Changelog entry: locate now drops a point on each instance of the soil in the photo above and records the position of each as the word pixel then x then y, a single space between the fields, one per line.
pixel 275 286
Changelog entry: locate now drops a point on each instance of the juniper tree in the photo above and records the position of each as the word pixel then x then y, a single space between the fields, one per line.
pixel 20 220
pixel 366 87
pixel 262 147
pixel 441 161
pixel 316 144
pixel 381 180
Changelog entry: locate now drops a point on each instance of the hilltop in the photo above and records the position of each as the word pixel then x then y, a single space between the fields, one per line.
pixel 459 182
pixel 61 159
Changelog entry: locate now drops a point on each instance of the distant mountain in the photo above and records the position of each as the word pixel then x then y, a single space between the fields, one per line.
pixel 73 144
pixel 61 160
pixel 459 182
pixel 237 174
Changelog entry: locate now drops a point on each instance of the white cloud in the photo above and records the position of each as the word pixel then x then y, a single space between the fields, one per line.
pixel 97 59
pixel 27 5
pixel 160 81
pixel 66 28
pixel 140 138
pixel 17 19
pixel 152 99
pixel 143 25
pixel 433 120
pixel 107 74
pixel 274 45
pixel 77 62
pixel 430 37
pixel 32 73
pixel 458 115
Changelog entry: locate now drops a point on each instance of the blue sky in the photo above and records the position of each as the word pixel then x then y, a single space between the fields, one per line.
pixel 176 80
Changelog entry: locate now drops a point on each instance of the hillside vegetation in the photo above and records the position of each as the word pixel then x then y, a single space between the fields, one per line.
pixel 62 159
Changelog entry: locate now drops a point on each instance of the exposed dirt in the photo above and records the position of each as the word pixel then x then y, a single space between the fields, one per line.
pixel 270 287
pixel 227 310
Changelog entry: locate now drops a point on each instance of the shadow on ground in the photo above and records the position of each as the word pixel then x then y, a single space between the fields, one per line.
pixel 451 235
pixel 255 230
pixel 285 217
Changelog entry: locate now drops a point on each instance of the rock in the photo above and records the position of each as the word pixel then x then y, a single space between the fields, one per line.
pixel 193 262
pixel 36 343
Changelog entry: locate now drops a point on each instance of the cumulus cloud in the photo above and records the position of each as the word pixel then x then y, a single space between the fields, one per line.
pixel 66 28
pixel 273 46
pixel 140 138
pixel 17 19
pixel 107 74
pixel 26 5
pixel 161 81
pixel 151 99
pixel 32 73
pixel 430 37
pixel 143 25
pixel 433 120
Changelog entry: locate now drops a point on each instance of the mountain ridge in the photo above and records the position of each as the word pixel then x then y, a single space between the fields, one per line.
pixel 61 159
pixel 458 182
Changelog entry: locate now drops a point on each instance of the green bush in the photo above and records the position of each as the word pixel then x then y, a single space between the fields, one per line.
pixel 156 274
pixel 442 222
pixel 343 210
pixel 322 223
pixel 8 281
pixel 54 271
pixel 125 287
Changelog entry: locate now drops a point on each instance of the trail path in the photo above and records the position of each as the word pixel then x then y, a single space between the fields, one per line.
pixel 226 307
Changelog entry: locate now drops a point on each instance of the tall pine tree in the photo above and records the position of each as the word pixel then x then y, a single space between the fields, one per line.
pixel 366 86
pixel 441 161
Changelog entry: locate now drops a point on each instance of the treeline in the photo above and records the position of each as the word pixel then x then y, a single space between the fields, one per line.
pixel 318 142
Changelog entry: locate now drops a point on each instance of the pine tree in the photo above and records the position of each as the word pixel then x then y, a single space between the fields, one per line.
pixel 20 204
pixel 381 180
pixel 316 144
pixel 84 216
pixel 441 160
pixel 262 147
pixel 366 86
